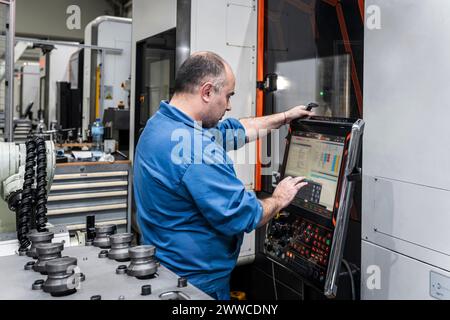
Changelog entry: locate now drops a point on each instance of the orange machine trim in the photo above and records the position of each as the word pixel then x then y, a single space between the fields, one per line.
pixel 331 2
pixel 361 9
pixel 348 49
pixel 259 92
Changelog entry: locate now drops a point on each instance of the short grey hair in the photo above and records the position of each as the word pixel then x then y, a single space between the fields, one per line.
pixel 197 69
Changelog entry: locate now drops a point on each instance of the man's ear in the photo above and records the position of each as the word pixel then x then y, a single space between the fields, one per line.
pixel 206 91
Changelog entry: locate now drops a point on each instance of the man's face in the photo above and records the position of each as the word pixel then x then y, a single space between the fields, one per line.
pixel 220 101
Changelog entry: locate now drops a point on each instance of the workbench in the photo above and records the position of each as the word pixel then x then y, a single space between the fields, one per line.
pixel 101 280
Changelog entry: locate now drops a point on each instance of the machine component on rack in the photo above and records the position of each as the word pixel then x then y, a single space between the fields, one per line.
pixel 120 243
pixel 309 237
pixel 143 264
pixel 174 295
pixel 103 254
pixel 37 285
pixel 41 185
pixel 26 193
pixel 122 269
pixel 38 237
pixel 61 280
pixel 182 282
pixel 47 252
pixel 102 234
pixel 90 230
pixel 146 290
pixel 29 265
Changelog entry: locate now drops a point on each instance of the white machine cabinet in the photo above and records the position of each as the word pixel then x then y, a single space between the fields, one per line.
pixel 406 167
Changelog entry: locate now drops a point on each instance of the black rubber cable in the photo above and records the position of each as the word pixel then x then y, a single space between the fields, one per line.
pixel 350 274
pixel 41 185
pixel 26 205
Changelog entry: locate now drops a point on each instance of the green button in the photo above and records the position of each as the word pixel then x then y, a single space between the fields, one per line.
pixel 328 242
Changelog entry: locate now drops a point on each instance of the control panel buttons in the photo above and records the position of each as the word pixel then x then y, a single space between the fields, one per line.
pixel 302 245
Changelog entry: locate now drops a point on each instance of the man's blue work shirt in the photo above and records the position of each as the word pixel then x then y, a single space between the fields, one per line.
pixel 190 205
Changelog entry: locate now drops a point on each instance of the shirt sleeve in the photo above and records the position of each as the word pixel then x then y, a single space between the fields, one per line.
pixel 222 199
pixel 233 133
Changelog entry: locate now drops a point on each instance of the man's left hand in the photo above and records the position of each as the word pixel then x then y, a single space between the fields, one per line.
pixel 297 112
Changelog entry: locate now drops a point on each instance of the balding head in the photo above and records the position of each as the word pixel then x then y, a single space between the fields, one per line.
pixel 199 68
pixel 203 88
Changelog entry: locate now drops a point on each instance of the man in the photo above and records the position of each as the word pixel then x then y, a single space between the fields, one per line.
pixel 190 204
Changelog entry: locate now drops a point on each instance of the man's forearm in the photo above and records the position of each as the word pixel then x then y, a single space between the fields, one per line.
pixel 259 127
pixel 270 207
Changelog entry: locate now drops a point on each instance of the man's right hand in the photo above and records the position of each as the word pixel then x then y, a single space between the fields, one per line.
pixel 287 189
pixel 282 196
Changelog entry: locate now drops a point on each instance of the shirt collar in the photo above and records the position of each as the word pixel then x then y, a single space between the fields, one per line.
pixel 176 114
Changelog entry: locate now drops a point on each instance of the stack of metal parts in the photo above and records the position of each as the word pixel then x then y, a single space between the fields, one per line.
pixel 36 238
pixel 61 280
pixel 120 245
pixel 143 264
pixel 102 234
pixel 46 252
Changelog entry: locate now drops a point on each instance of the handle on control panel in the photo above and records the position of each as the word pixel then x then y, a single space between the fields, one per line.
pixel 312 105
pixel 352 174
pixel 356 175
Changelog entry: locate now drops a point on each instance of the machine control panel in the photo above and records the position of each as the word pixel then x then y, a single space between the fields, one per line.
pixel 310 193
pixel 302 245
pixel 308 237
